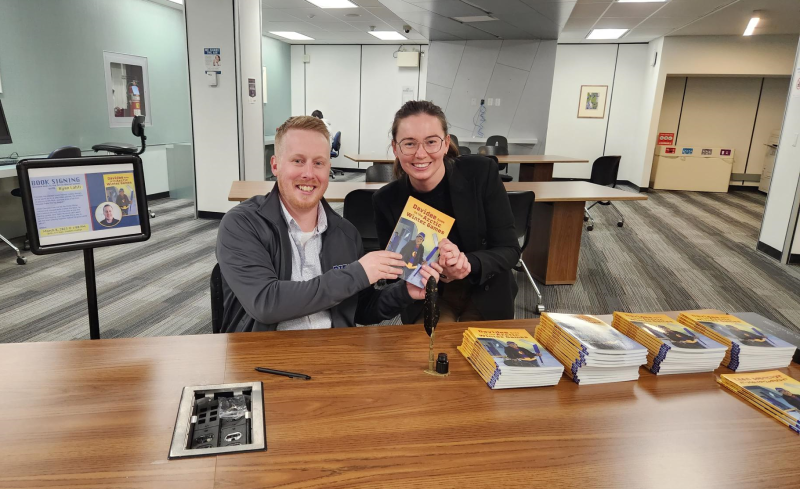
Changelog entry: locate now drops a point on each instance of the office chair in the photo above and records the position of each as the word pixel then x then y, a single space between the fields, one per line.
pixel 493 152
pixel 464 150
pixel 497 141
pixel 358 210
pixel 217 304
pixel 336 145
pixel 123 149
pixel 522 208
pixel 380 172
pixel 604 172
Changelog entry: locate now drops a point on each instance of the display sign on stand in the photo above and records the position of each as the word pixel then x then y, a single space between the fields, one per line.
pixel 82 204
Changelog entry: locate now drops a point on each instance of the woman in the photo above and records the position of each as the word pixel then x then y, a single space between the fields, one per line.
pixel 482 246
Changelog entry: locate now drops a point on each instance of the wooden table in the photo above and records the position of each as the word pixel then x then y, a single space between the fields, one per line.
pixel 557 225
pixel 94 414
pixel 533 168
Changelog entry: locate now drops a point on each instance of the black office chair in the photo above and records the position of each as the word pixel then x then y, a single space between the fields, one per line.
pixel 380 172
pixel 336 145
pixel 358 210
pixel 491 152
pixel 604 172
pixel 464 150
pixel 497 141
pixel 217 304
pixel 522 208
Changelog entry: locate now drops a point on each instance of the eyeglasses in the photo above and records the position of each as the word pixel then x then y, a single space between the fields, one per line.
pixel 432 144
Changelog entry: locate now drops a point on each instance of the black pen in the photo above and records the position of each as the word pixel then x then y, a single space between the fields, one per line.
pixel 293 375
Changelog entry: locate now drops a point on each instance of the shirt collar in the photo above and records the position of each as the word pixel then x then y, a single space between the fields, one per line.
pixel 322 219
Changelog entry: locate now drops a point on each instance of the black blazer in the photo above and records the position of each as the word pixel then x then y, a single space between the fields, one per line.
pixel 485 226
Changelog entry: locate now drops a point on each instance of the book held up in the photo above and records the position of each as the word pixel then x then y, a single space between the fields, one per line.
pixel 417 235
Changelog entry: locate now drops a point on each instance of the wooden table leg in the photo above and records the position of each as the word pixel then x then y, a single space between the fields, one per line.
pixel 539 172
pixel 555 242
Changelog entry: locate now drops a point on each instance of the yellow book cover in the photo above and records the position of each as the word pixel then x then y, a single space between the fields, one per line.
pixel 417 235
pixel 772 388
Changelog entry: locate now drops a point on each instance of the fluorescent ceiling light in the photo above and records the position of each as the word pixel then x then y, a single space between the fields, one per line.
pixel 475 18
pixel 179 2
pixel 606 33
pixel 751 26
pixel 294 36
pixel 388 35
pixel 333 3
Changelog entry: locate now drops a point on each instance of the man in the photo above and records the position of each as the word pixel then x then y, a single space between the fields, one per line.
pixel 288 261
pixel 413 254
pixel 123 201
pixel 517 356
pixel 108 217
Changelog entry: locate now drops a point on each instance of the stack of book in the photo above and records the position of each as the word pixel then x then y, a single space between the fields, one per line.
pixel 748 347
pixel 773 392
pixel 672 348
pixel 591 351
pixel 507 358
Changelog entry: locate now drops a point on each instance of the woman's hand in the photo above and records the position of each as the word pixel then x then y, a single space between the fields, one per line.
pixel 454 263
pixel 426 273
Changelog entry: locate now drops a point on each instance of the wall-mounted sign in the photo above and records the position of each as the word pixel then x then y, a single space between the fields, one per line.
pixel 213 59
pixel 687 151
pixel 251 89
pixel 666 138
pixel 705 152
pixel 669 151
pixel 724 152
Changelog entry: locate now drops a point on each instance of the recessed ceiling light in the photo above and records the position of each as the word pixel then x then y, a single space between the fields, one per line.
pixel 606 33
pixel 641 1
pixel 388 35
pixel 294 36
pixel 751 26
pixel 475 18
pixel 179 2
pixel 333 3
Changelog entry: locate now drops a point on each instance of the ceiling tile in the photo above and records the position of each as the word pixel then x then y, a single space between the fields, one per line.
pixel 649 31
pixel 579 23
pixel 334 26
pixel 365 26
pixel 692 8
pixel 400 7
pixel 558 12
pixel 672 22
pixel 342 13
pixel 433 34
pixel 503 30
pixel 590 10
pixel 303 13
pixel 636 10
pixel 616 23
pixel 539 26
pixel 503 7
pixel 284 4
pixel 296 26
pixel 450 8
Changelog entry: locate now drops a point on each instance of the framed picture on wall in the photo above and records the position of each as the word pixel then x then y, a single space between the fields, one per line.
pixel 127 88
pixel 592 103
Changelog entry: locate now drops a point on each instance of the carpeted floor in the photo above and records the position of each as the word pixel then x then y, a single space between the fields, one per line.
pixel 678 250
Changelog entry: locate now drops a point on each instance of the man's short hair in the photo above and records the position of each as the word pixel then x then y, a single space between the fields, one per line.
pixel 107 205
pixel 301 122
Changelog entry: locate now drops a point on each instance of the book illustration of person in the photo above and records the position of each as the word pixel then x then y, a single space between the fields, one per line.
pixel 108 217
pixel 217 60
pixel 517 356
pixel 745 337
pixel 677 338
pixel 789 397
pixel 123 201
pixel 394 242
pixel 413 254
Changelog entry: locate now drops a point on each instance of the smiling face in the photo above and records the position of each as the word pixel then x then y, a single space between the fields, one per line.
pixel 425 167
pixel 420 239
pixel 302 164
pixel 108 213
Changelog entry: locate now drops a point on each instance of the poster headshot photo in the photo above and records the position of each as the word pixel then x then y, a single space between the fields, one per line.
pixel 108 214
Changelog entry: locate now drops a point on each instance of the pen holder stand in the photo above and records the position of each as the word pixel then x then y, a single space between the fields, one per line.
pixel 430 311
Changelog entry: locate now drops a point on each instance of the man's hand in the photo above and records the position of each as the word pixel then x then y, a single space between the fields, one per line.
pixel 426 272
pixel 454 263
pixel 382 265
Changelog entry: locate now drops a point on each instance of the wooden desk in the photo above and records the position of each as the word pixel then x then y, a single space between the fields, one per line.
pixel 534 168
pixel 557 225
pixel 370 418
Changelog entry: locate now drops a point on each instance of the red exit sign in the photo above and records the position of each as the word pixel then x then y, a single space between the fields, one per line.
pixel 666 138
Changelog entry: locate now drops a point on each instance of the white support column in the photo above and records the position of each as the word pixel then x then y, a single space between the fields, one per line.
pixel 251 113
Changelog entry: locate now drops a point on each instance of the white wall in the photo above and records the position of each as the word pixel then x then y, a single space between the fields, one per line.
pixel 382 83
pixel 576 65
pixel 778 226
pixel 520 73
pixel 357 88
pixel 209 23
pixel 248 22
